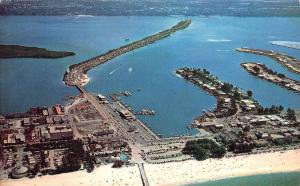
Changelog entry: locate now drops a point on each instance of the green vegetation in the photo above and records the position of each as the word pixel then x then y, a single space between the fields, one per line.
pixel 203 75
pixel 17 51
pixel 74 157
pixel 249 93
pixel 237 147
pixel 272 110
pixel 291 114
pixel 256 69
pixel 281 75
pixel 237 95
pixel 202 149
pixel 227 87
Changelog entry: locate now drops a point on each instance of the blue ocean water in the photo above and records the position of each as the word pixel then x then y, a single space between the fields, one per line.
pixel 208 43
pixel 278 179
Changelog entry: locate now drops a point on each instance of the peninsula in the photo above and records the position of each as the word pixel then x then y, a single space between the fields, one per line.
pixel 292 63
pixel 240 123
pixel 17 51
pixel 230 99
pixel 262 71
pixel 76 75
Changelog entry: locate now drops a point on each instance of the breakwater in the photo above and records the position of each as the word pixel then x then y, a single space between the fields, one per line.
pixel 76 74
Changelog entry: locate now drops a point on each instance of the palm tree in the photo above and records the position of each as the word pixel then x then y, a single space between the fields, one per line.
pixel 249 93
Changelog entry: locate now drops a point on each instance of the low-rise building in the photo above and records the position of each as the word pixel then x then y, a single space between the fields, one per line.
pixel 45 112
pixel 60 132
pixel 58 110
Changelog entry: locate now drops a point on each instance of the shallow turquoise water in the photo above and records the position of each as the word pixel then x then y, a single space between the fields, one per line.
pixel 280 179
pixel 123 157
pixel 208 43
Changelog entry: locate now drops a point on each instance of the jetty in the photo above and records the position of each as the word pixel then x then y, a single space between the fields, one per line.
pixel 292 63
pixel 76 74
pixel 263 72
pixel 146 112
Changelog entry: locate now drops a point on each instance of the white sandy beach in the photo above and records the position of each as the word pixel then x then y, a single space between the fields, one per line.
pixel 102 176
pixel 85 80
pixel 213 169
pixel 173 173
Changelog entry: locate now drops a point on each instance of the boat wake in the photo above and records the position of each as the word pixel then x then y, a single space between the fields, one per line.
pixel 80 16
pixel 220 50
pixel 219 40
pixel 114 71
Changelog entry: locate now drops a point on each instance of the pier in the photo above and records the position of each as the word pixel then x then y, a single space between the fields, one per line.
pixel 143 174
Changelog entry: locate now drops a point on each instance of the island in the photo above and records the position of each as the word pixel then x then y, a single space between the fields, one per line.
pixel 17 51
pixel 76 74
pixel 292 63
pixel 262 71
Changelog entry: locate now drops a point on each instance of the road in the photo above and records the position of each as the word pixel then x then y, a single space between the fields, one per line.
pixel 136 147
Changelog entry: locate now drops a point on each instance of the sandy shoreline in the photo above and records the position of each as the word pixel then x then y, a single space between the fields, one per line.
pixel 85 80
pixel 102 176
pixel 193 171
pixel 173 173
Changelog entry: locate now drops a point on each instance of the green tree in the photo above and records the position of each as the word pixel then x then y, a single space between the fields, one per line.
pixel 201 153
pixel 249 93
pixel 256 69
pixel 203 148
pixel 226 87
pixel 237 95
pixel 291 115
pixel 281 108
pixel 281 75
